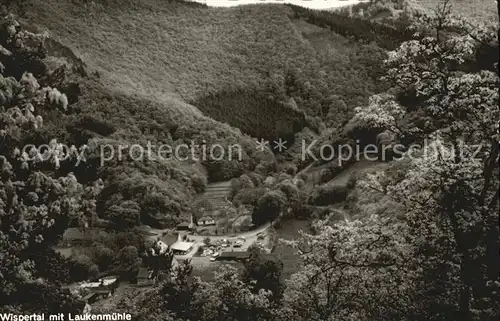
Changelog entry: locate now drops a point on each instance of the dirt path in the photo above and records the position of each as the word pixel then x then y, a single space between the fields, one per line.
pixel 341 179
pixel 363 165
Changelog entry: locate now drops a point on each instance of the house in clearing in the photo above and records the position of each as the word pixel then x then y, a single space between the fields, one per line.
pixel 206 221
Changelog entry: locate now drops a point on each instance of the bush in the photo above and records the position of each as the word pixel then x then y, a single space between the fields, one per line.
pixel 125 215
pixel 80 268
pixel 93 272
pixel 52 266
pixel 223 170
pixel 328 194
pixel 242 182
pixel 352 181
pixel 290 190
pixel 199 183
pixel 265 168
pixel 102 256
pixel 289 169
pixel 269 207
pixel 127 261
pixel 249 196
pixel 256 178
pixel 303 212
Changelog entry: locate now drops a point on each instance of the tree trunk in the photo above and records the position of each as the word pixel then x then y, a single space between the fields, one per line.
pixel 464 312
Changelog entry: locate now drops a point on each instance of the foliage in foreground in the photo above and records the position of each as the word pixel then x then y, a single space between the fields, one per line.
pixel 35 204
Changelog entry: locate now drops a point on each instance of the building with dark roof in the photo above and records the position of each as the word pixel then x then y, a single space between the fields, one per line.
pixel 186 226
pixel 233 256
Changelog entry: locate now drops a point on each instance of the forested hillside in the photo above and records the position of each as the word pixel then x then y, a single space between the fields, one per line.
pixel 195 53
pixel 100 115
pixel 245 66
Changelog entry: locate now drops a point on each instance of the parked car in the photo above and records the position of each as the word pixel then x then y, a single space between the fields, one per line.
pixel 239 243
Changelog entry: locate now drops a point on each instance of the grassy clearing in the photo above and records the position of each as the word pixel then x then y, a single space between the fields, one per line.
pixel 289 230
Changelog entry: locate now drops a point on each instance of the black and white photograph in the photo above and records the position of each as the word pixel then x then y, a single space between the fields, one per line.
pixel 249 160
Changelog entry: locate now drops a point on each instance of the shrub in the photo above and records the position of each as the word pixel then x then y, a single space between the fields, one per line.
pixel 265 168
pixel 80 267
pixel 125 215
pixel 256 178
pixel 290 190
pixel 351 182
pixel 328 194
pixel 223 170
pixel 269 207
pixel 242 182
pixel 199 183
pixel 103 256
pixel 249 196
pixel 52 266
pixel 303 212
pixel 93 272
pixel 127 261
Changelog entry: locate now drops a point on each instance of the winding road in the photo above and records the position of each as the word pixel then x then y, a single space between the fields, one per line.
pixel 218 193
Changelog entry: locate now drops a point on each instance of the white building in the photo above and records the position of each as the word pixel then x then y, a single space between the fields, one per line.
pixel 182 247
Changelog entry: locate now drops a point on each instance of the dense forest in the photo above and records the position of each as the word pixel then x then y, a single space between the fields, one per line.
pixel 419 238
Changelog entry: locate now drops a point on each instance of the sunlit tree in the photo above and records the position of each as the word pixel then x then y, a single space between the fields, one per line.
pixel 35 205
